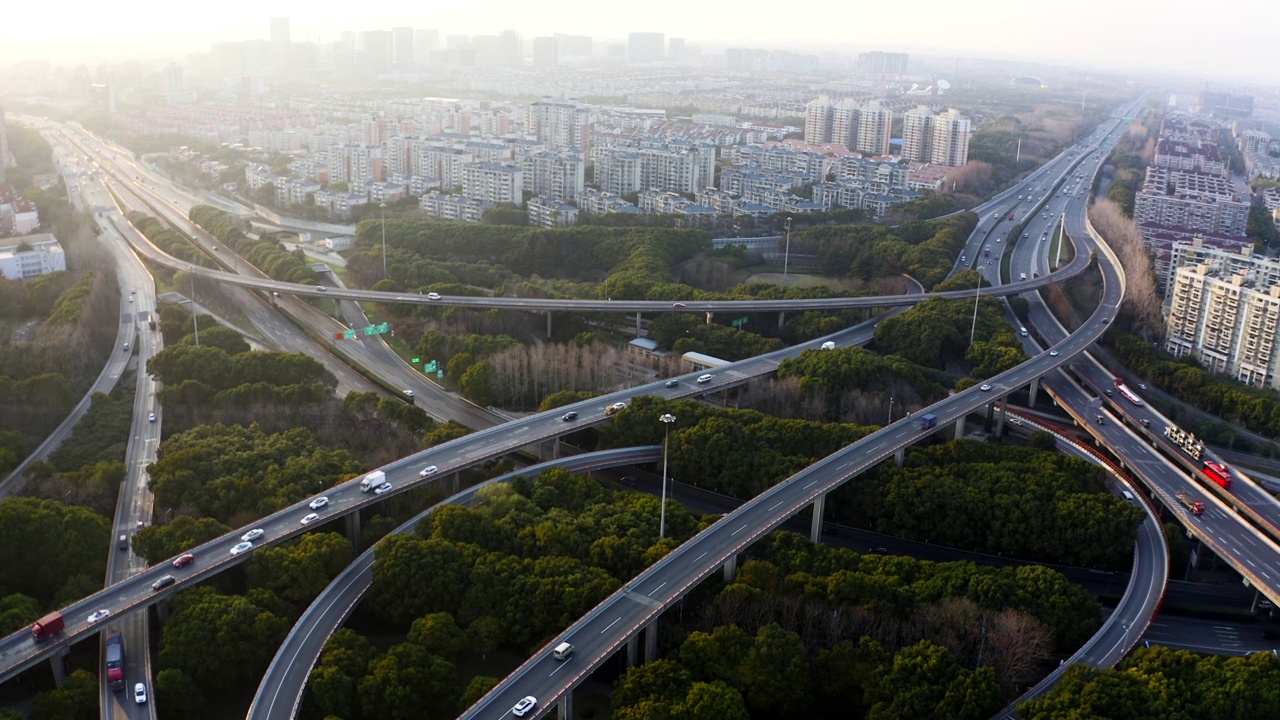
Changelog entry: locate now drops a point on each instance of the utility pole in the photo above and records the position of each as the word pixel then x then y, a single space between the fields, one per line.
pixel 977 288
pixel 195 321
pixel 786 254
pixel 666 420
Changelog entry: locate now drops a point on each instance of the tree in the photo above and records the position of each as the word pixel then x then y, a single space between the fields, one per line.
pixel 77 699
pixel 439 635
pixel 407 683
pixel 177 695
pixel 221 640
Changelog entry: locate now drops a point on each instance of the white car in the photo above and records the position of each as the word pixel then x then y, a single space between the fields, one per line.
pixel 526 704
pixel 140 694
pixel 310 518
pixel 318 502
pixel 985 387
pixel 252 535
pixel 240 548
pixel 408 393
pixel 704 379
pixel 99 616
pixel 382 489
pixel 433 296
pixel 151 417
pixel 1053 353
pixel 428 471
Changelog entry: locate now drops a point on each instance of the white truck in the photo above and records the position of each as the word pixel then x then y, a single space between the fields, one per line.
pixel 372 480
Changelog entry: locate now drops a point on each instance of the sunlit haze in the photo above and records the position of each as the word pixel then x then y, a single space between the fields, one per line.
pixel 1177 36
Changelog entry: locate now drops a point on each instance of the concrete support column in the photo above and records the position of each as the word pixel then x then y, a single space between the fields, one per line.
pixel 1004 410
pixel 900 456
pixel 651 641
pixel 162 612
pixel 58 667
pixel 782 319
pixel 564 708
pixel 815 526
pixel 548 324
pixel 353 527
pixel 709 317
pixel 632 643
pixel 960 427
pixel 637 324
pixel 456 485
pixel 730 568
pixel 1034 390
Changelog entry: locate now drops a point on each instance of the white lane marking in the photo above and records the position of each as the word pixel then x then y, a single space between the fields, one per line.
pixel 704 553
pixel 615 622
pixel 651 592
pixel 776 505
pixel 735 532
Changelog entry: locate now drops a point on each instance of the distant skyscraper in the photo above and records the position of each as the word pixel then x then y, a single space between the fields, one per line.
pixel 938 138
pixel 882 65
pixel 376 45
pixel 646 47
pixel 546 52
pixel 573 45
pixel 675 50
pixel 402 46
pixel 424 41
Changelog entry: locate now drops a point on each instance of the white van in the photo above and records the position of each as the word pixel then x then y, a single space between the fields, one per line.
pixel 562 651
pixel 829 345
pixel 1022 331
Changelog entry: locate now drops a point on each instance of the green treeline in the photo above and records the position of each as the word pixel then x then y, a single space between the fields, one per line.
pixel 1184 378
pixel 935 333
pixel 925 250
pixel 71 540
pixel 997 499
pixel 1158 682
pixel 268 256
pixel 235 473
pixel 169 240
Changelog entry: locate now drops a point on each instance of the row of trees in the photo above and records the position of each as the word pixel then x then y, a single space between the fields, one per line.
pixel 268 256
pixel 1184 378
pixel 71 542
pixel 169 240
pixel 925 250
pixel 933 334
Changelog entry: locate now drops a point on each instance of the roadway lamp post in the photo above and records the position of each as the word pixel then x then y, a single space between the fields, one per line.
pixel 977 290
pixel 890 411
pixel 383 207
pixel 666 420
pixel 786 254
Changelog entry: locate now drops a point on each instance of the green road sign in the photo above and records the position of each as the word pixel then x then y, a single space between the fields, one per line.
pixel 429 367
pixel 349 334
pixel 440 374
pixel 415 361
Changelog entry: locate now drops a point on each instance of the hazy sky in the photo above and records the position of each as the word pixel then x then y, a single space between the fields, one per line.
pixel 1197 39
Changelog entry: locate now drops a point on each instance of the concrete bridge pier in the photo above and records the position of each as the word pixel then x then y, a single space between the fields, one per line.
pixel 1034 389
pixel 730 568
pixel 960 427
pixel 59 667
pixel 548 324
pixel 651 641
pixel 564 708
pixel 782 319
pixel 353 527
pixel 632 643
pixel 709 315
pixel 637 324
pixel 815 528
pixel 900 456
pixel 1004 410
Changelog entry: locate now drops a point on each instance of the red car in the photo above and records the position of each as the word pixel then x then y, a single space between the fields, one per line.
pixel 184 560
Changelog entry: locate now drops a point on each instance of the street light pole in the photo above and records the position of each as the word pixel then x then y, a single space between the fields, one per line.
pixel 890 411
pixel 786 254
pixel 666 420
pixel 977 289
pixel 383 206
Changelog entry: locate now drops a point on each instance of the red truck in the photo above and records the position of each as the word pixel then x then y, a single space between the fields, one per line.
pixel 115 660
pixel 47 626
pixel 1219 473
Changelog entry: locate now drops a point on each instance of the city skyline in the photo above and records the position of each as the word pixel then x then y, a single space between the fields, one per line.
pixel 1090 33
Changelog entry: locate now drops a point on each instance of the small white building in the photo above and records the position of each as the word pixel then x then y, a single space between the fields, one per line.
pixel 339 242
pixel 29 256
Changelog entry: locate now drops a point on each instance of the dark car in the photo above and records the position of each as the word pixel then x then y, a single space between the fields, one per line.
pixel 163 582
pixel 569 416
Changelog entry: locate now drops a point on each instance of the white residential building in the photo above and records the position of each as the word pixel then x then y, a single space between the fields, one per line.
pixel 30 256
pixel 556 175
pixel 494 183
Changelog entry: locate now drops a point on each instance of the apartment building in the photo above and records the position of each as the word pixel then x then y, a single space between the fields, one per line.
pixel 861 125
pixel 937 138
pixel 559 176
pixel 30 256
pixel 548 212
pixel 494 183
pixel 1225 313
pixel 1192 200
pixel 453 207
pixel 561 124
pixel 617 171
